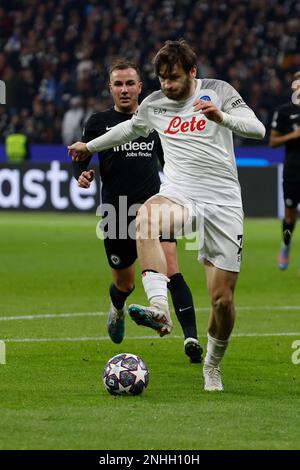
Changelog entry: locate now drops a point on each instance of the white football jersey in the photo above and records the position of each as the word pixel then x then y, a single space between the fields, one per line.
pixel 199 155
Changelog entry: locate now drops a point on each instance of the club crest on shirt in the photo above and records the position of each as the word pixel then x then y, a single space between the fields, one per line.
pixel 115 259
pixel 205 98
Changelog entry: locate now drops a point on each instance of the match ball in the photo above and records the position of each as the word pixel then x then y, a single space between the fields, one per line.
pixel 125 374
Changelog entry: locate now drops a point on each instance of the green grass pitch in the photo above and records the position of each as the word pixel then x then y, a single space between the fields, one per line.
pixel 52 395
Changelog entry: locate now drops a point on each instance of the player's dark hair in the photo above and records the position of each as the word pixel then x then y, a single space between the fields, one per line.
pixel 123 64
pixel 175 52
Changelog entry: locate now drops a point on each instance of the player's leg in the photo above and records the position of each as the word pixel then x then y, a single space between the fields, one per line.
pixel 291 200
pixel 158 216
pixel 121 255
pixel 288 225
pixel 221 252
pixel 183 302
pixel 221 285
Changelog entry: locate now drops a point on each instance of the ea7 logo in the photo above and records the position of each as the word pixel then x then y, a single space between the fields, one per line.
pixel 2 92
pixel 159 111
pixel 296 354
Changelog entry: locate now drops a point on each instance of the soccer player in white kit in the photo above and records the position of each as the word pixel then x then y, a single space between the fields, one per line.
pixel 195 119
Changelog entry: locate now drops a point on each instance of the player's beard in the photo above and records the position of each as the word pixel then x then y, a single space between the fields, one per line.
pixel 183 92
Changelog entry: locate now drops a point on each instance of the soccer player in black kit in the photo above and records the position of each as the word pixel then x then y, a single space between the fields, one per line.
pixel 131 170
pixel 286 131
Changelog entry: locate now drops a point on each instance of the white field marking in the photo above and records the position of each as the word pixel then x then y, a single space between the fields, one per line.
pixel 106 338
pixel 53 315
pixel 101 314
pixel 2 352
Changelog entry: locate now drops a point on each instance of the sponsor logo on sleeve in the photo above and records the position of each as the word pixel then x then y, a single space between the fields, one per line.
pixel 238 102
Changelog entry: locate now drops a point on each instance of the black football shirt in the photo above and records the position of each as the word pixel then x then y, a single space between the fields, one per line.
pixel 130 169
pixel 286 119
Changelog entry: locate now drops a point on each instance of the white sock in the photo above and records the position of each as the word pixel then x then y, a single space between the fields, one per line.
pixel 215 351
pixel 155 285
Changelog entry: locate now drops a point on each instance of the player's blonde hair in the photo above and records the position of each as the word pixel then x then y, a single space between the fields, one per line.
pixel 123 64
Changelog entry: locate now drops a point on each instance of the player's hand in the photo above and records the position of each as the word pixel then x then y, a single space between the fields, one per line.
pixel 209 110
pixel 85 179
pixel 78 151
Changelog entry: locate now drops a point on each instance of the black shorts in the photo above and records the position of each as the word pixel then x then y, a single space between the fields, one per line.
pixel 291 194
pixel 120 246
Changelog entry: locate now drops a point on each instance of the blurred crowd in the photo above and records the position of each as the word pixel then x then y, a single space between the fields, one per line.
pixel 54 55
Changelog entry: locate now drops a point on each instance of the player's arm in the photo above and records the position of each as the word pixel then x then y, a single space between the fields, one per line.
pixel 277 139
pixel 243 122
pixel 80 166
pixel 85 179
pixel 91 130
pixel 160 153
pixel 234 115
pixel 278 135
pixel 81 172
pixel 117 135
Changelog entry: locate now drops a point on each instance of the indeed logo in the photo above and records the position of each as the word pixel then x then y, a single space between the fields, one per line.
pixel 135 146
pixel 178 125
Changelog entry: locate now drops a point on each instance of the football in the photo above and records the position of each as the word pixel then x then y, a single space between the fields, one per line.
pixel 125 374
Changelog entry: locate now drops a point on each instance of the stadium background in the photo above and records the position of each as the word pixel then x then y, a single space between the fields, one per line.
pixel 54 57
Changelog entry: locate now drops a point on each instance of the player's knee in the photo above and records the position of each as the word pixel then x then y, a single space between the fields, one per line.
pixel 223 300
pixel 145 222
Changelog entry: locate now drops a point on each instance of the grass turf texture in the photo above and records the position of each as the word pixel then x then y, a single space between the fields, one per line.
pixel 51 392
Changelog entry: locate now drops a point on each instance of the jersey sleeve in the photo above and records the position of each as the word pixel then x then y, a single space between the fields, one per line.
pixel 91 129
pixel 232 100
pixel 140 120
pixel 123 132
pixel 279 122
pixel 237 116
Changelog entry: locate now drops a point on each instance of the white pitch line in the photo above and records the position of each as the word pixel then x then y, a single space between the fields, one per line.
pixel 53 315
pixel 87 338
pixel 101 314
pixel 106 338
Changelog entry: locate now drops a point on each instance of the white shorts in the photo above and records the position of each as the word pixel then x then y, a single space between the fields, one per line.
pixel 220 229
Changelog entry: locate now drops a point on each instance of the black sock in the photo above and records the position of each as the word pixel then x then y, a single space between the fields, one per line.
pixel 287 230
pixel 183 304
pixel 118 297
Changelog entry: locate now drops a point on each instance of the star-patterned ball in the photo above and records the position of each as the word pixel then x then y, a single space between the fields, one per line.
pixel 125 374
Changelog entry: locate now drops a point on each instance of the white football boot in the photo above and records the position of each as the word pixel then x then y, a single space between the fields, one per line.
pixel 212 379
